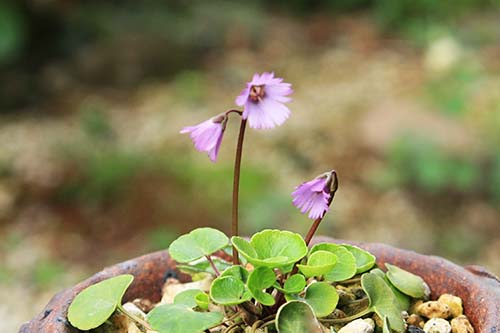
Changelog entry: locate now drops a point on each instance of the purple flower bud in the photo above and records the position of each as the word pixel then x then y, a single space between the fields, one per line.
pixel 313 196
pixel 207 136
pixel 263 101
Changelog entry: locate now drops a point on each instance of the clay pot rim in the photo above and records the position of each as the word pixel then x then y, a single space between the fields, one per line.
pixel 479 289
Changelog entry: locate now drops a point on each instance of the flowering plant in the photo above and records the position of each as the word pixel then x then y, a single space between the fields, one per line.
pixel 273 281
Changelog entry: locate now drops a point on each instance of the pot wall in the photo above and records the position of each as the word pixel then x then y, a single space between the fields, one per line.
pixel 479 290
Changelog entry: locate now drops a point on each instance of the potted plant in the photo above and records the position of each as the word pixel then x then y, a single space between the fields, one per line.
pixel 276 281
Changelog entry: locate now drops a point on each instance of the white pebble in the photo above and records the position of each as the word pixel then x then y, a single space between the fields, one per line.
pixel 359 326
pixel 437 325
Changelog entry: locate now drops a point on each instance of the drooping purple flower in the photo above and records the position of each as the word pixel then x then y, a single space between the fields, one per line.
pixel 263 101
pixel 313 196
pixel 207 136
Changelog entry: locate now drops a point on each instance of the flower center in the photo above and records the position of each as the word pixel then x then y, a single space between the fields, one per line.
pixel 257 93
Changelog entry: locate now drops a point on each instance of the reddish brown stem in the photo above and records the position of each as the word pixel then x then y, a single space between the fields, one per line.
pixel 312 230
pixel 228 112
pixel 236 186
pixel 213 265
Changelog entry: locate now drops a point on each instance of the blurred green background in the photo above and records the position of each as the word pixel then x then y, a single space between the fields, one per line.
pixel 402 98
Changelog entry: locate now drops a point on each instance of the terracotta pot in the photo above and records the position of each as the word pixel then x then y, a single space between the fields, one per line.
pixel 479 290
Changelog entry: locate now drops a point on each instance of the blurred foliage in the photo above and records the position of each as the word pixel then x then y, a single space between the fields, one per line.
pixel 101 174
pixel 46 273
pixel 404 14
pixel 161 237
pixel 44 46
pixel 101 170
pixel 101 167
pixel 452 91
pixel 190 86
pixel 12 32
pixel 95 123
pixel 494 181
pixel 5 275
pixel 421 164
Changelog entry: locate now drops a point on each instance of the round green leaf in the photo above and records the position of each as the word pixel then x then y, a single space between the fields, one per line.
pixel 408 283
pixel 236 271
pixel 294 284
pixel 346 264
pixel 198 243
pixel 382 300
pixel 296 317
pixel 272 248
pixel 95 304
pixel 228 290
pixel 202 300
pixel 177 318
pixel 364 259
pixel 402 299
pixel 322 297
pixel 262 278
pixel 319 262
pixel 187 297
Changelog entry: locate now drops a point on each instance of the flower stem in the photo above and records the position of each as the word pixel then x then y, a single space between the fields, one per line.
pixel 236 186
pixel 216 271
pixel 334 186
pixel 138 320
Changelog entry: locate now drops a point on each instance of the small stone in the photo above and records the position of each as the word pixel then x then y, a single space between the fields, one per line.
pixel 414 329
pixel 415 320
pixel 437 325
pixel 134 310
pixel 434 309
pixel 461 324
pixel 414 306
pixel 173 286
pixel 359 326
pixel 453 302
pixel 144 304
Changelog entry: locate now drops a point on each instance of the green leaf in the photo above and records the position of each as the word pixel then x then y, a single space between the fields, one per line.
pixel 322 297
pixel 364 259
pixel 187 297
pixel 294 284
pixel 402 299
pixel 382 300
pixel 236 271
pixel 262 278
pixel 95 304
pixel 198 243
pixel 296 317
pixel 203 266
pixel 202 300
pixel 271 248
pixel 346 264
pixel 319 262
pixel 177 318
pixel 408 283
pixel 228 290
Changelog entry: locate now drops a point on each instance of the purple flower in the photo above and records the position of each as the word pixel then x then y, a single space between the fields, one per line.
pixel 313 196
pixel 207 136
pixel 263 101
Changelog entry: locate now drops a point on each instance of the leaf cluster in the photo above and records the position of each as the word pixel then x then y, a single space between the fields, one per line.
pixel 281 284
